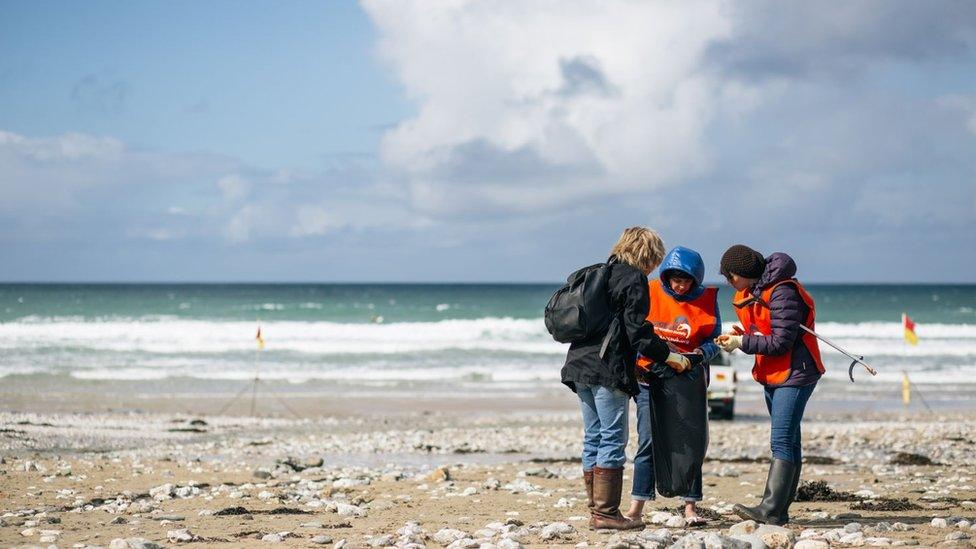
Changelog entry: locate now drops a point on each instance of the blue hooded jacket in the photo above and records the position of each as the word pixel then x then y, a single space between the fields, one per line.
pixel 690 262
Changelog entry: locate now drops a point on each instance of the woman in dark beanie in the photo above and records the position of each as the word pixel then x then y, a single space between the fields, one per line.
pixel 772 306
pixel 601 371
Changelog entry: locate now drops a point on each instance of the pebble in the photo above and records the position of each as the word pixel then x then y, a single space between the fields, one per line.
pixel 939 523
pixel 775 536
pixel 446 536
pixel 854 538
pixel 439 475
pixel 744 527
pixel 380 541
pixel 718 541
pixel 322 540
pixel 674 521
pixel 963 524
pixel 811 544
pixel 753 541
pixel 852 527
pixel 901 527
pixel 272 538
pixel 689 541
pixel 956 535
pixel 660 517
pixel 181 535
pixel 556 530
pixel 347 510
pixel 133 543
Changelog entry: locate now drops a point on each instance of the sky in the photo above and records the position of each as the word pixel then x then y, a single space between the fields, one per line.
pixel 464 141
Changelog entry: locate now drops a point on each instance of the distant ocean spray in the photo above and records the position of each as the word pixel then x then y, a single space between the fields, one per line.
pixel 394 333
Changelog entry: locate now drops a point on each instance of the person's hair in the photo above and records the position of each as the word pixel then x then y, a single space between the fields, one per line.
pixel 639 247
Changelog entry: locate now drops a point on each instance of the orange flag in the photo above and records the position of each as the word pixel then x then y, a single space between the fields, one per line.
pixel 909 326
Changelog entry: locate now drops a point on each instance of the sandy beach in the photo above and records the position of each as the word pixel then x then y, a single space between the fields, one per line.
pixel 393 468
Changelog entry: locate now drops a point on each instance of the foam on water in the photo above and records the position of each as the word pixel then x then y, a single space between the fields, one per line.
pixel 483 350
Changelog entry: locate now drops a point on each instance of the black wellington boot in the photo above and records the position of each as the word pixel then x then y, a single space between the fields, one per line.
pixel 777 496
pixel 796 483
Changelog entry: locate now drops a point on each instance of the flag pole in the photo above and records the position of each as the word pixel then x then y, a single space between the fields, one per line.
pixel 908 382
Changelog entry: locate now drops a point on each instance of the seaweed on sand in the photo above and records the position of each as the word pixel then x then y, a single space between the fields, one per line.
pixel 819 490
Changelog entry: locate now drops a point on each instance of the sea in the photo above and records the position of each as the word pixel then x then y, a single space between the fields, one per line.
pixel 469 336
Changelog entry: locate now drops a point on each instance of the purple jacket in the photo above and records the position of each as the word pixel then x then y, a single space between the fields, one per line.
pixel 788 311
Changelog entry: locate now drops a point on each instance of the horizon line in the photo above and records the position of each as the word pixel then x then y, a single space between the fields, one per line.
pixel 718 283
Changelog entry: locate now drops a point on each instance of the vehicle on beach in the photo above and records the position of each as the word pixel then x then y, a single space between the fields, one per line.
pixel 721 387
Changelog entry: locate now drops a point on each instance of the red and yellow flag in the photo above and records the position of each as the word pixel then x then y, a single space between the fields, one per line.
pixel 909 326
pixel 259 339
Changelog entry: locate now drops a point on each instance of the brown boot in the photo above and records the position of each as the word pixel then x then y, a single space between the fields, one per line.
pixel 588 481
pixel 607 484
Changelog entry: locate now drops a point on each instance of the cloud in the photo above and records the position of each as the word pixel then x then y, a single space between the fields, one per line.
pixel 961 104
pixel 234 187
pixel 315 221
pixel 771 38
pixel 584 100
pixel 575 99
pixel 83 187
pixel 100 94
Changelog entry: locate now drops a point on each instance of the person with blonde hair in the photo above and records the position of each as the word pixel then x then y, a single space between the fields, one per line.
pixel 600 369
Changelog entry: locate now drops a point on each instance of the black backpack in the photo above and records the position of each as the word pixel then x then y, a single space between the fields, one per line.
pixel 581 309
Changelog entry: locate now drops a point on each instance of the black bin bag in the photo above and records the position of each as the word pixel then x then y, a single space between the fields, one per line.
pixel 679 426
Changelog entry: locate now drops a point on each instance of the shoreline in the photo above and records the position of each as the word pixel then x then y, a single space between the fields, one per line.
pixel 314 399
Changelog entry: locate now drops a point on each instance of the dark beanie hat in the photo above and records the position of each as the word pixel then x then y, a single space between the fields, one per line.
pixel 743 261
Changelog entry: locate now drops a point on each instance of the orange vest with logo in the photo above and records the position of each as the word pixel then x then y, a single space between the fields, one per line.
pixel 685 325
pixel 754 315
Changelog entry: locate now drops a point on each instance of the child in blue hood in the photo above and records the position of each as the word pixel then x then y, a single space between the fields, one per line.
pixel 685 314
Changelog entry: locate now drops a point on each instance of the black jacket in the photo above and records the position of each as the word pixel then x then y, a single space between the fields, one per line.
pixel 630 334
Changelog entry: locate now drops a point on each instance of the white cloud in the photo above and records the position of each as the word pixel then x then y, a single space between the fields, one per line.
pixel 241 224
pixel 964 105
pixel 83 186
pixel 314 221
pixel 234 187
pixel 572 98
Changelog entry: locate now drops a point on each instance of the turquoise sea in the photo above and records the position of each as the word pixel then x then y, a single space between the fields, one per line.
pixel 479 333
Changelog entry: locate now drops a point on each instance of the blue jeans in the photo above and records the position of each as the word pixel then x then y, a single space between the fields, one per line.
pixel 786 405
pixel 643 488
pixel 604 426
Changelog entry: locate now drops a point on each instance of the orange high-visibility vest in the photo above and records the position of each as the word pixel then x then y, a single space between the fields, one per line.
pixel 754 315
pixel 685 325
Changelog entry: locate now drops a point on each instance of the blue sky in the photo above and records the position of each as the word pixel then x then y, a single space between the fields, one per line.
pixel 481 141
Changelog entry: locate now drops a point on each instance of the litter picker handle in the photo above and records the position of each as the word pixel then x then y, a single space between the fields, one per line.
pixel 856 359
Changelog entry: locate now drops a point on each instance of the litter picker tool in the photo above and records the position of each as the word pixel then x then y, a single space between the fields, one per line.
pixel 855 360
